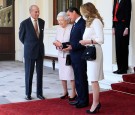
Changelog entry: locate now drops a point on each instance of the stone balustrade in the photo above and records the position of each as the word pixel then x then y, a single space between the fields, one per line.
pixel 6 17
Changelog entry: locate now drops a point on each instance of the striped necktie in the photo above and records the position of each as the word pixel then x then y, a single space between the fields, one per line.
pixel 36 28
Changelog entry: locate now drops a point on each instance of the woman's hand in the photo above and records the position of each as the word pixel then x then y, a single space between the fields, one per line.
pixel 57 43
pixel 85 42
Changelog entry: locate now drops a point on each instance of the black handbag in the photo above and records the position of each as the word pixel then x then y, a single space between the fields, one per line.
pixel 89 53
pixel 68 60
pixel 64 44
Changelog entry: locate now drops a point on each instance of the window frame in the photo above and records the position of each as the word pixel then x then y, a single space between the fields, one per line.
pixel 55 8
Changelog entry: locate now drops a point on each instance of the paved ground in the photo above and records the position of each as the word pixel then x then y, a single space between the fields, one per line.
pixel 12 86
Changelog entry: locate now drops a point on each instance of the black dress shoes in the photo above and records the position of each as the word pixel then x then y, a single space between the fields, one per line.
pixel 116 71
pixel 120 72
pixel 81 105
pixel 27 97
pixel 40 97
pixel 73 102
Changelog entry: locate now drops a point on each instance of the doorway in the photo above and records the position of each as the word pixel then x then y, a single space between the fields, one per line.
pixel 7 30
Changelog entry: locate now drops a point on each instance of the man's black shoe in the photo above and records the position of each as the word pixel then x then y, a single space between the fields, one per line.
pixel 81 105
pixel 73 102
pixel 28 97
pixel 40 97
pixel 116 71
pixel 122 72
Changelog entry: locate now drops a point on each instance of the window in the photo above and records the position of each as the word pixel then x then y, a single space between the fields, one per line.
pixel 63 5
pixel 6 13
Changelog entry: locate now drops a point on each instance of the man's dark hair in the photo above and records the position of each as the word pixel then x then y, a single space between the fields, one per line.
pixel 71 9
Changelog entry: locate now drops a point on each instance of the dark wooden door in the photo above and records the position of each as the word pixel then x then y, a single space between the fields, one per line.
pixel 7 31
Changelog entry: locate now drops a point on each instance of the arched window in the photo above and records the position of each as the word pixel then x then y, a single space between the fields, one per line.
pixel 63 5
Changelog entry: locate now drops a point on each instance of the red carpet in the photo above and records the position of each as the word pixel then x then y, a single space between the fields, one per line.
pixel 124 87
pixel 128 86
pixel 129 78
pixel 113 103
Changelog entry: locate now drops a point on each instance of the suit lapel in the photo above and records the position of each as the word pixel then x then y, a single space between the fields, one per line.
pixel 32 27
pixel 74 28
pixel 120 4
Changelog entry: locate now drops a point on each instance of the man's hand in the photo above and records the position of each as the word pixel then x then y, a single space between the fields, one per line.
pixel 113 31
pixel 68 48
pixel 125 32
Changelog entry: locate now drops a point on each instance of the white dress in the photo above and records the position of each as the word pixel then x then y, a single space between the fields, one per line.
pixel 95 68
pixel 65 72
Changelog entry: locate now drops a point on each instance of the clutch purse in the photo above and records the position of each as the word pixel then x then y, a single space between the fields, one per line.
pixel 64 44
pixel 89 53
pixel 68 60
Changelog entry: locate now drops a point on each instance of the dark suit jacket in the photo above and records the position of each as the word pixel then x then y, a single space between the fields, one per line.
pixel 33 46
pixel 75 36
pixel 124 12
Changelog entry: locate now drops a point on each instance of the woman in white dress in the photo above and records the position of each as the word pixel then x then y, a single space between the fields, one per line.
pixel 93 34
pixel 65 72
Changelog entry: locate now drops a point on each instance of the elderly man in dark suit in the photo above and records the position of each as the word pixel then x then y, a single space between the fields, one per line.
pixel 121 30
pixel 31 35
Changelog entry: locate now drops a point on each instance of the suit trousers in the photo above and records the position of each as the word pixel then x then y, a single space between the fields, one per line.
pixel 81 83
pixel 29 70
pixel 121 43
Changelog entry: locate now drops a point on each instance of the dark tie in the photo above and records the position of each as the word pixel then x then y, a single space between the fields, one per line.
pixel 73 27
pixel 36 28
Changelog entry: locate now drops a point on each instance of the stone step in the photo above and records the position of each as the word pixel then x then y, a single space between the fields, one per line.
pixel 124 87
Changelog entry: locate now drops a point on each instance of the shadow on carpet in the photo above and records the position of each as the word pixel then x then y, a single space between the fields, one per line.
pixel 113 103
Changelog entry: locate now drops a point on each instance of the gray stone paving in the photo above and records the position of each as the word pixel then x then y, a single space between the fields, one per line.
pixel 12 86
